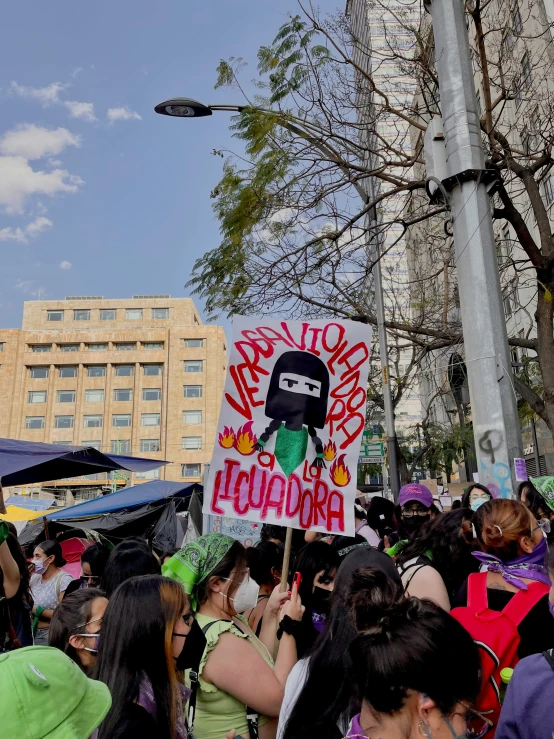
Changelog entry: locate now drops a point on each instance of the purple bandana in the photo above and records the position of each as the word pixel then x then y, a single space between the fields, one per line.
pixel 147 701
pixel 530 566
pixel 318 620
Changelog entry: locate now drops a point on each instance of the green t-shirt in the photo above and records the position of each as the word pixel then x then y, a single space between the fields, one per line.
pixel 218 712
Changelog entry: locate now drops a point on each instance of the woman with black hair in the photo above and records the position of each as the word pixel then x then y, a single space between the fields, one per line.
pixel 93 564
pixel 238 678
pixel 325 678
pixel 48 586
pixel 76 625
pixel 398 635
pixel 126 560
pixel 265 562
pixel 380 516
pixel 141 654
pixel 438 562
pixel 541 505
pixel 317 563
pixel 475 495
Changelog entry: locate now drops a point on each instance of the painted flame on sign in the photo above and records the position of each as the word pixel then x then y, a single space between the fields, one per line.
pixel 330 451
pixel 339 472
pixel 227 438
pixel 245 442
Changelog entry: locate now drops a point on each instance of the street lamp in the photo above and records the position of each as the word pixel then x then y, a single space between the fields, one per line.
pixel 189 108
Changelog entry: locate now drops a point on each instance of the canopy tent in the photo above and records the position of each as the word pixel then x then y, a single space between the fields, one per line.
pixel 25 462
pixel 27 501
pixel 13 514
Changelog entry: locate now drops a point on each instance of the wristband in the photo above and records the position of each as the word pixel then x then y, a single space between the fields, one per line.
pixel 320 455
pixel 261 442
pixel 289 626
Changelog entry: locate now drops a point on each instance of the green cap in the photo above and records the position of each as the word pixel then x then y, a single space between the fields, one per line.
pixel 506 674
pixel 45 695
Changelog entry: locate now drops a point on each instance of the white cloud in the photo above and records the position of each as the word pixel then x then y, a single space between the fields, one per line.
pixel 122 114
pixel 65 265
pixel 31 229
pixel 49 95
pixel 84 111
pixel 34 142
pixel 18 181
pixel 39 225
pixel 76 72
pixel 29 287
pixel 54 163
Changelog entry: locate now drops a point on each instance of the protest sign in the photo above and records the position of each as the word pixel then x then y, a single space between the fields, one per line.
pixel 291 423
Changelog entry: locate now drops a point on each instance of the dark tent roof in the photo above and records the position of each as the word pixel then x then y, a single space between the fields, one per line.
pixel 138 495
pixel 25 462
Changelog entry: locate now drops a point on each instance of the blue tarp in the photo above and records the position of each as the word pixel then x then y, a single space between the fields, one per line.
pixel 32 504
pixel 138 495
pixel 25 462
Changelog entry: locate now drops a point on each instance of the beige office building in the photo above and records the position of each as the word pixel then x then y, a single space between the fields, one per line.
pixel 142 377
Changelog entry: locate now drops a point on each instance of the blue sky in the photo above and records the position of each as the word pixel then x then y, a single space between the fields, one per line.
pixel 98 194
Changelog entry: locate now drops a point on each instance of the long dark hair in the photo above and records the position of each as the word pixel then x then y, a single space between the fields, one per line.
pixel 69 618
pixel 329 681
pixel 22 565
pixel 263 560
pixel 380 515
pixel 534 501
pixel 406 644
pixel 136 642
pixel 446 540
pixel 50 547
pixel 128 560
pixel 96 557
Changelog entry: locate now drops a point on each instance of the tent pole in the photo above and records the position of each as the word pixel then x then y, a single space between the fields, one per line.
pixel 45 524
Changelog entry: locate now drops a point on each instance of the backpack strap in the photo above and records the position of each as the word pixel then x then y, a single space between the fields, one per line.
pixel 477 598
pixel 523 601
pixel 193 677
pixel 416 567
pixel 549 657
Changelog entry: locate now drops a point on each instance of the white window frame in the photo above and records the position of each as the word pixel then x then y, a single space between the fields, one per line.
pixel 88 417
pixel 108 310
pixel 145 445
pixel 57 419
pixel 191 423
pixel 94 444
pixel 160 318
pixel 123 390
pixel 138 311
pixel 69 347
pixel 126 417
pixel 150 389
pixel 125 346
pixel 144 416
pixel 50 313
pixel 95 390
pixel 85 314
pixel 69 366
pixel 191 464
pixel 120 366
pixel 32 393
pixel 99 346
pixel 153 346
pixel 157 374
pixel 30 419
pixel 96 366
pixel 148 475
pixel 190 362
pixel 41 348
pixel 124 446
pixel 34 369
pixel 191 443
pixel 193 344
pixel 187 388
pixel 59 393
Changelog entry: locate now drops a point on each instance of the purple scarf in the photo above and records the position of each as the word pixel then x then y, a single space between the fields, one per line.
pixel 530 566
pixel 148 702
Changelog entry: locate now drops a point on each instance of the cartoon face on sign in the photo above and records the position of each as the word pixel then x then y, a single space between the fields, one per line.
pixel 296 403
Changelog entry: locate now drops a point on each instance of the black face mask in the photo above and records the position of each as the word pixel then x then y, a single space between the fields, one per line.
pixel 415 522
pixel 321 600
pixel 192 650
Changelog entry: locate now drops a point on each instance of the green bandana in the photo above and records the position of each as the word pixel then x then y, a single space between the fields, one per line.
pixel 545 486
pixel 196 561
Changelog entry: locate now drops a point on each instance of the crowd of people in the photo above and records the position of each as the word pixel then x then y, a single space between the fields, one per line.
pixel 424 623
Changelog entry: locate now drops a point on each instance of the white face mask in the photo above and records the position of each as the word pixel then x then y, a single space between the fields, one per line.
pixel 246 596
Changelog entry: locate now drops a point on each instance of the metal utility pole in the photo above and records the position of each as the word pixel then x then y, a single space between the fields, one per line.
pixel 493 402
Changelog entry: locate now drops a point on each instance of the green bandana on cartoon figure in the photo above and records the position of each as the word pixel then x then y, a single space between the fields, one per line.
pixel 195 562
pixel 545 486
pixel 290 448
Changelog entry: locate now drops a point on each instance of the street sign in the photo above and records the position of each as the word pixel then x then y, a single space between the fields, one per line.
pixel 371 460
pixel 371 451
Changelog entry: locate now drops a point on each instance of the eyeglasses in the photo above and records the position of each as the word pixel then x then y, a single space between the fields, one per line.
pixel 416 512
pixel 91 579
pixel 477 724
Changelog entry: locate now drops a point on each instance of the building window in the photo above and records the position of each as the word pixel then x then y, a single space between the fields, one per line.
pixel 97 347
pixel 150 419
pixel 40 348
pixel 67 371
pixel 121 419
pixel 525 72
pixel 159 313
pixel 97 444
pixel 149 475
pixel 63 443
pixel 92 422
pixel 152 370
pixel 108 314
pixel 121 446
pixel 81 315
pixel 153 345
pixel 194 343
pixel 192 417
pixel 34 422
pixel 149 445
pixel 151 393
pixel 517 23
pixel 124 370
pixel 194 365
pixel 549 190
pixel 133 314
pixel 94 396
pixel 192 442
pixel 96 371
pixel 36 396
pixel 1 346
pixel 39 373
pixel 123 395
pixel 69 347
pixel 54 315
pixel 126 347
pixel 63 422
pixel 192 391
pixel 191 470
pixel 65 396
